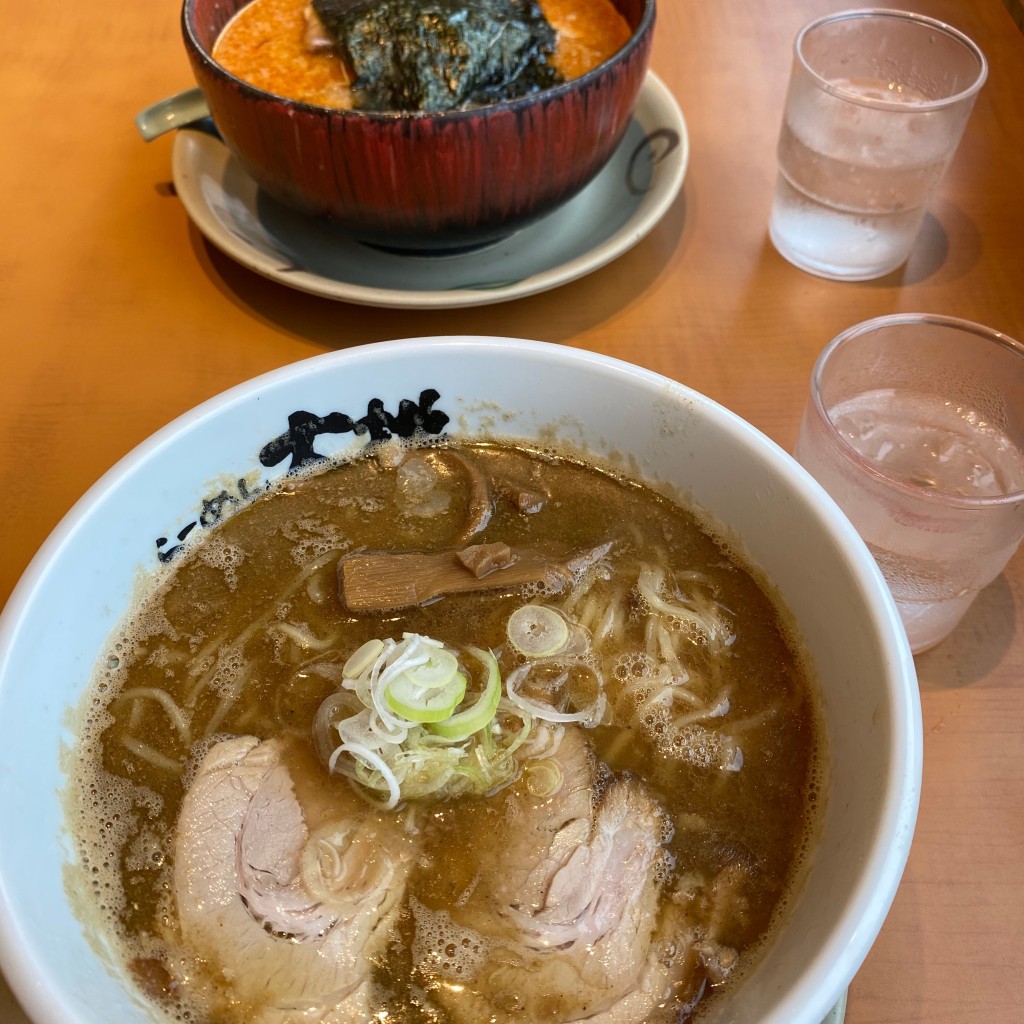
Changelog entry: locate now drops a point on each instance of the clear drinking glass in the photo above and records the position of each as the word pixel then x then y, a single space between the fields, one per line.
pixel 877 103
pixel 915 426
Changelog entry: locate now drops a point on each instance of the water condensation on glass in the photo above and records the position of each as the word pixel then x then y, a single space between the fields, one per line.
pixel 846 154
pixel 934 556
pixel 943 446
pixel 855 169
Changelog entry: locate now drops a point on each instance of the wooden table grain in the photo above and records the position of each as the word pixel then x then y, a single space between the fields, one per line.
pixel 116 316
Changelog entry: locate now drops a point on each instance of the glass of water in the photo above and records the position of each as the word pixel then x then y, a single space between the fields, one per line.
pixel 877 103
pixel 915 426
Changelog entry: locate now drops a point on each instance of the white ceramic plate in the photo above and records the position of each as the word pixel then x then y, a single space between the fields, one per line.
pixel 618 208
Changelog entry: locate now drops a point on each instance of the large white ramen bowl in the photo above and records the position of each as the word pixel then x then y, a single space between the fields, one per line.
pixel 186 476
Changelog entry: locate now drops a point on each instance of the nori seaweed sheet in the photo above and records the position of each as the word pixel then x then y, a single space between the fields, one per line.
pixel 435 55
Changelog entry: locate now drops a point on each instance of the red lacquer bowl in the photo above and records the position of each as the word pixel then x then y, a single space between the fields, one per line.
pixel 440 181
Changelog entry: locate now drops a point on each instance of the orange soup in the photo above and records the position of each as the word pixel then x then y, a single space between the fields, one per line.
pixel 268 45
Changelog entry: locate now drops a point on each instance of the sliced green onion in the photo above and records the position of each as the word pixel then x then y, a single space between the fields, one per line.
pixel 544 778
pixel 362 658
pixel 462 725
pixel 412 737
pixel 364 757
pixel 438 669
pixel 589 718
pixel 424 704
pixel 537 631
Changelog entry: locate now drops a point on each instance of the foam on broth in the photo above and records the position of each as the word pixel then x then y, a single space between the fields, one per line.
pixel 245 637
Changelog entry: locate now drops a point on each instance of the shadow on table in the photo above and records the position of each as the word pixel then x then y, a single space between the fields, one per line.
pixel 977 645
pixel 934 258
pixel 558 315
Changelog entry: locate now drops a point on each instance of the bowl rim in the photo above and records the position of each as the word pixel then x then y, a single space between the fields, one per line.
pixel 852 932
pixel 640 37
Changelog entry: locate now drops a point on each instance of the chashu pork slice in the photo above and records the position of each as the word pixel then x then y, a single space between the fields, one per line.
pixel 570 910
pixel 286 900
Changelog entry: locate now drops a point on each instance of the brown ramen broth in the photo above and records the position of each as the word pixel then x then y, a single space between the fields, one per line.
pixel 266 45
pixel 615 844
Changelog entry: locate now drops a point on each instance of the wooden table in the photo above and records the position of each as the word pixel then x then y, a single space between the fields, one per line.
pixel 117 316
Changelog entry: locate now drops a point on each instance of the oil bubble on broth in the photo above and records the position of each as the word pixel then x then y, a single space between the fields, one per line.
pixel 456 732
